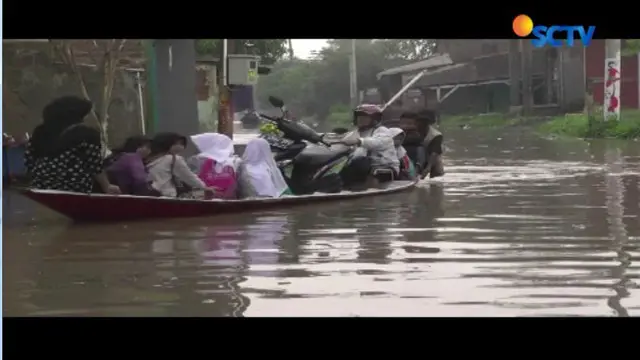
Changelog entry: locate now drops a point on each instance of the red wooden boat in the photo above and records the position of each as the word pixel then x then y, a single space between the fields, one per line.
pixel 101 207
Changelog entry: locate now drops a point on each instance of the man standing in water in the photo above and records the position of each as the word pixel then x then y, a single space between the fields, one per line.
pixel 432 143
pixel 423 142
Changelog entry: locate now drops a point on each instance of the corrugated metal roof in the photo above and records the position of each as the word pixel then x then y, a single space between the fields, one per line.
pixel 479 69
pixel 407 78
pixel 433 61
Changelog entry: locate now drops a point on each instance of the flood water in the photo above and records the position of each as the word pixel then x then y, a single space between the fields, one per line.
pixel 519 226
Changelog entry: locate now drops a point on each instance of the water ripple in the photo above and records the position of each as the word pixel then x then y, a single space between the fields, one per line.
pixel 502 234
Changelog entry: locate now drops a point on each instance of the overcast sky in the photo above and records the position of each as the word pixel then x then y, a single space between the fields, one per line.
pixel 302 48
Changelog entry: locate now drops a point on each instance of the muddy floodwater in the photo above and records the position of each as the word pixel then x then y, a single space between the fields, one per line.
pixel 519 226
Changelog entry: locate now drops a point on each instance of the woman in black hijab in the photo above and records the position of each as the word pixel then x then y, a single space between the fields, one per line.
pixel 63 154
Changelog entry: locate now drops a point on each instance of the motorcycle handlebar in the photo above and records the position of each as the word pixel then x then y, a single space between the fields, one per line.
pixel 278 120
pixel 269 117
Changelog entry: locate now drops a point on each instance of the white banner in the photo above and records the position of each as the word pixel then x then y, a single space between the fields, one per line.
pixel 612 89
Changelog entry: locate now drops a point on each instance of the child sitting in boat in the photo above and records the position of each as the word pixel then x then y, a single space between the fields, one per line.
pixel 169 172
pixel 216 164
pixel 127 168
pixel 407 168
pixel 259 175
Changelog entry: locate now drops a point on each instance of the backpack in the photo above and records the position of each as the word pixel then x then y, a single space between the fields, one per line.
pixel 224 180
pixel 407 169
pixel 418 156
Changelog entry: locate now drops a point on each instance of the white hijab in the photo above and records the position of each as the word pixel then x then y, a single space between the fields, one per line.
pixel 262 170
pixel 217 147
pixel 394 131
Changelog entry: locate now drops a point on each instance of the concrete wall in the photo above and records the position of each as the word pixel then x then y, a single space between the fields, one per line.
pixel 207 92
pixel 32 79
pixel 573 83
pixel 176 100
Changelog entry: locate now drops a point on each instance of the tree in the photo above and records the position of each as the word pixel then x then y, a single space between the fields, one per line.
pixel 103 56
pixel 631 47
pixel 293 81
pixel 269 50
pixel 407 49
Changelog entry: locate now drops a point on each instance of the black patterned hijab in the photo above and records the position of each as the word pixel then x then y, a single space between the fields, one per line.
pixel 59 131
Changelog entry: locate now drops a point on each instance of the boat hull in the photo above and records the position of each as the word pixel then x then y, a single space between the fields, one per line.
pixel 103 208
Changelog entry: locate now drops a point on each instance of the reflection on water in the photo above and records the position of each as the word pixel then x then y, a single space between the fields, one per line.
pixel 519 226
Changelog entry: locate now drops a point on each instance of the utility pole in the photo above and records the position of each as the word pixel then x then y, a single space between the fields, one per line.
pixel 515 73
pixel 353 76
pixel 527 96
pixel 152 96
pixel 290 50
pixel 612 76
pixel 225 111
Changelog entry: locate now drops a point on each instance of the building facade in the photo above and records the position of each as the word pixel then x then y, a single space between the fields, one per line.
pixel 594 72
pixel 486 76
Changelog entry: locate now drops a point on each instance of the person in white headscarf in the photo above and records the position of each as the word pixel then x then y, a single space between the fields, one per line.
pixel 398 138
pixel 407 168
pixel 216 164
pixel 259 175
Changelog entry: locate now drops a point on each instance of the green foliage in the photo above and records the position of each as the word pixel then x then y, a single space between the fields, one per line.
pixel 340 115
pixel 313 87
pixel 280 82
pixel 407 49
pixel 339 108
pixel 631 47
pixel 577 125
pixel 340 119
pixel 270 50
pixel 270 128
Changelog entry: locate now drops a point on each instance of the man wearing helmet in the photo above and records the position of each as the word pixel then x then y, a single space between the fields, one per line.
pixel 374 141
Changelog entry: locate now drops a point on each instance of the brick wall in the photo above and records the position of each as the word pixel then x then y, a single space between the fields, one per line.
pixel 33 77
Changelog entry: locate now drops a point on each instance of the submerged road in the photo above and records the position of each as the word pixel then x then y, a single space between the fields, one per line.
pixel 519 226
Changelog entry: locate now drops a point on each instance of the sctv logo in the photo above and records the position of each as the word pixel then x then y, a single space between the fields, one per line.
pixel 543 35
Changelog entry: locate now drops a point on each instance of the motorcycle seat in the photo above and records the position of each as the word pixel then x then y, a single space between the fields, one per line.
pixel 317 156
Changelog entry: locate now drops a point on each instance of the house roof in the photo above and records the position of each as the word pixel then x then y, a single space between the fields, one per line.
pixel 436 60
pixel 480 69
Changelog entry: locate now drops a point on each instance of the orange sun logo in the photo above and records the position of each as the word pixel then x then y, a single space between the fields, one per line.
pixel 522 25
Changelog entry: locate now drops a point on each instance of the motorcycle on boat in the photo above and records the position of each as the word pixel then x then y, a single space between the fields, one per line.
pixel 308 162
